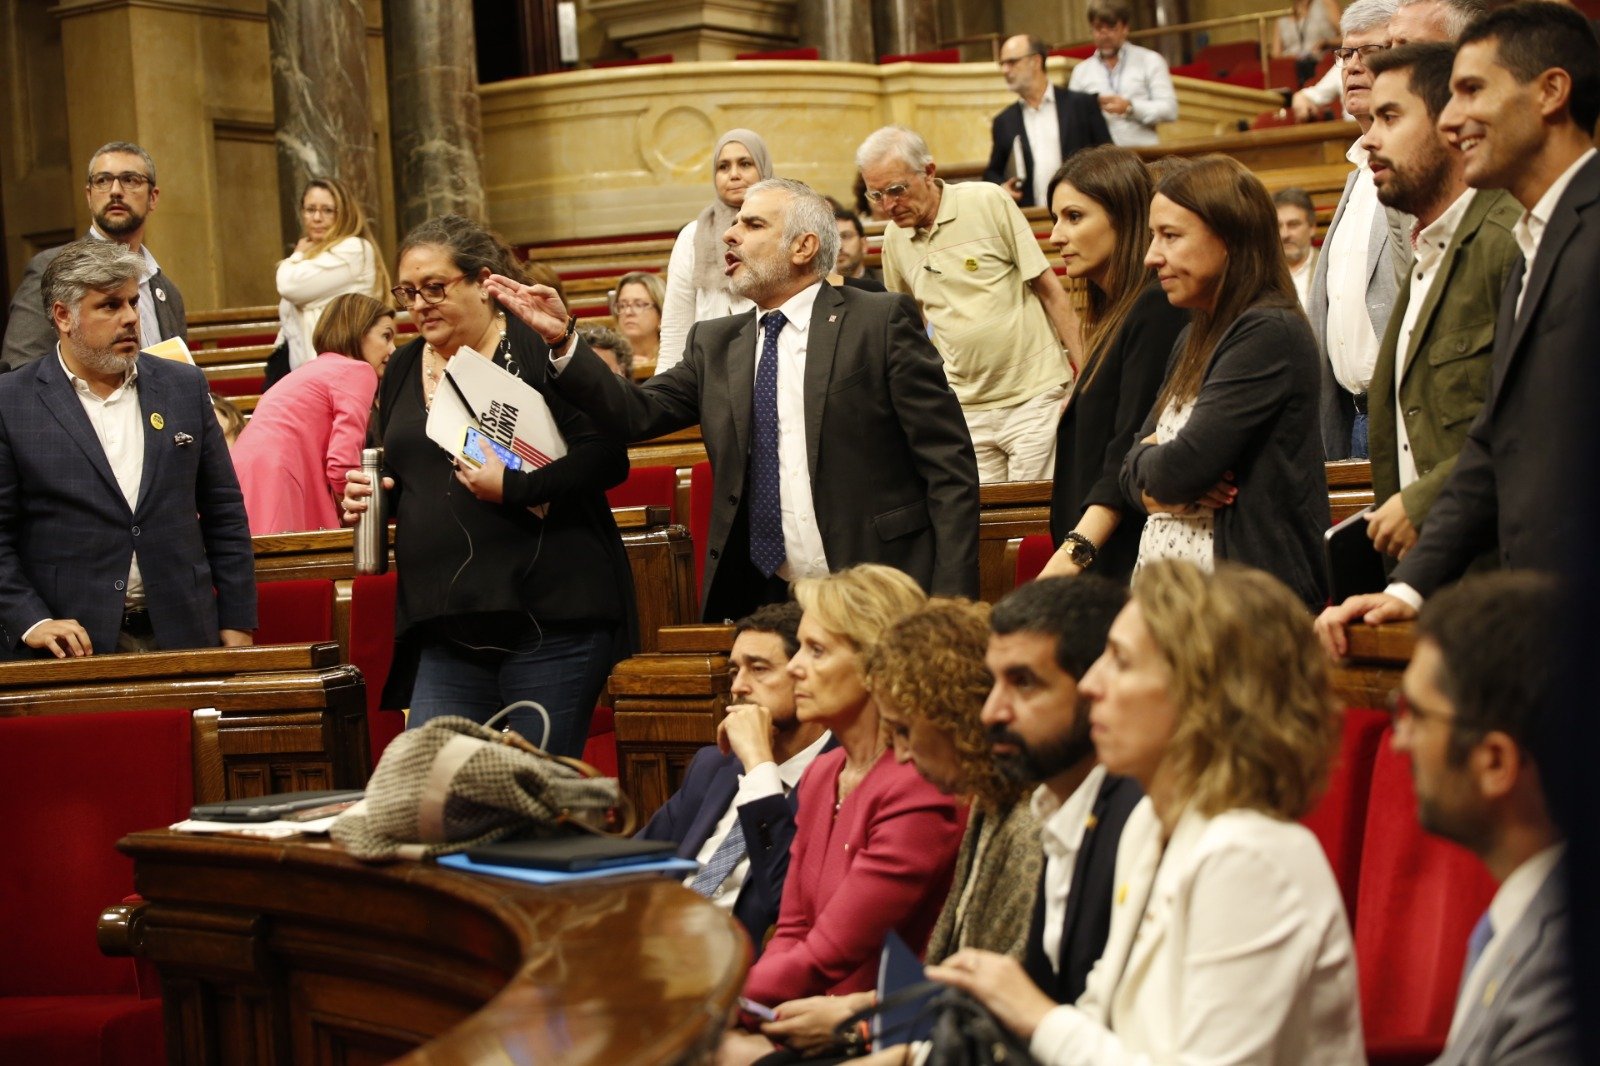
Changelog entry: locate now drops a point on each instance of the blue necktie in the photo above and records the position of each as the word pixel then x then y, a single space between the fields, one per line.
pixel 721 863
pixel 766 504
pixel 1482 933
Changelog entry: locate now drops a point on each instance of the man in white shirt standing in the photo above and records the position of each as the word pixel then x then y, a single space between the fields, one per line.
pixel 1133 83
pixel 1297 221
pixel 1525 98
pixel 1473 705
pixel 1433 367
pixel 1042 129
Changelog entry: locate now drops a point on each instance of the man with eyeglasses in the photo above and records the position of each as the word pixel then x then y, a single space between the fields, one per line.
pixel 1045 126
pixel 1364 257
pixel 1471 713
pixel 121 190
pixel 997 312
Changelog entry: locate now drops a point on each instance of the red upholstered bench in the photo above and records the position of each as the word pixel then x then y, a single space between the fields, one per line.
pixel 646 486
pixel 294 612
pixel 1340 818
pixel 1077 51
pixel 939 55
pixel 700 489
pixel 372 600
pixel 1032 553
pixel 74 785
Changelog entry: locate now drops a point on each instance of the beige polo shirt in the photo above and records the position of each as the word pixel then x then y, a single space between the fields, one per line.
pixel 970 273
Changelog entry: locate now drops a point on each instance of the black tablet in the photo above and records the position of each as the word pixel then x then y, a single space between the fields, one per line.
pixel 572 854
pixel 1354 565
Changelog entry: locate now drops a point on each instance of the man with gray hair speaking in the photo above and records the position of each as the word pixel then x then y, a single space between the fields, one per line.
pixel 122 527
pixel 122 192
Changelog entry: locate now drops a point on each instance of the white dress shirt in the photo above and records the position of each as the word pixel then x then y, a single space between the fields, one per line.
pixel 1510 903
pixel 1352 342
pixel 1301 276
pixel 1529 230
pixel 763 780
pixel 149 328
pixel 1062 826
pixel 802 540
pixel 1431 244
pixel 1140 75
pixel 1043 128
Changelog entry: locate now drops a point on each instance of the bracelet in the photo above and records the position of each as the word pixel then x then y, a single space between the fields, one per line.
pixel 566 334
pixel 1082 550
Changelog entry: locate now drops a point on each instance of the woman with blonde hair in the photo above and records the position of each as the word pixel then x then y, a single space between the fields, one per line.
pixel 697 280
pixel 307 434
pixel 1229 462
pixel 1229 941
pixel 336 254
pixel 874 843
pixel 637 307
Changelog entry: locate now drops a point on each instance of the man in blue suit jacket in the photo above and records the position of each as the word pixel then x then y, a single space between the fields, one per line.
pixel 747 780
pixel 121 522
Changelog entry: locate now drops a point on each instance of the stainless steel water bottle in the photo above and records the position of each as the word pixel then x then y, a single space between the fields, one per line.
pixel 372 528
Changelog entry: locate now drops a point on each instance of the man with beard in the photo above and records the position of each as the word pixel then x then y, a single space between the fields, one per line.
pixel 1297 222
pixel 122 192
pixel 1045 636
pixel 1043 128
pixel 122 527
pixel 1473 704
pixel 1432 371
pixel 833 436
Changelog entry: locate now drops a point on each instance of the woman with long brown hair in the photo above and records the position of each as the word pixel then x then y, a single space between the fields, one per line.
pixel 1229 461
pixel 1101 202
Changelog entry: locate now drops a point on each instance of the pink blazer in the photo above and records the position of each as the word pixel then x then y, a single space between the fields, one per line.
pixel 883 863
pixel 305 433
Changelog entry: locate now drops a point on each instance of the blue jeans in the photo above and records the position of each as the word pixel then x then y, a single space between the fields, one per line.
pixel 562 669
pixel 1358 437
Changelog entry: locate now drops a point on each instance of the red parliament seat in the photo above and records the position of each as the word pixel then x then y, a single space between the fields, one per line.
pixel 294 612
pixel 646 486
pixel 940 55
pixel 372 603
pixel 1339 819
pixel 1032 553
pixel 1418 899
pixel 700 490
pixel 61 1001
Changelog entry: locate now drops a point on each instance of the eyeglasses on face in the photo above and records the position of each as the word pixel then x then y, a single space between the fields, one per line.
pixel 893 192
pixel 1007 64
pixel 1366 51
pixel 432 292
pixel 130 180
pixel 634 305
pixel 319 211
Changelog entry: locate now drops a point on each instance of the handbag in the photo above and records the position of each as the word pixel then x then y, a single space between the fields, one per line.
pixel 964 1032
pixel 452 784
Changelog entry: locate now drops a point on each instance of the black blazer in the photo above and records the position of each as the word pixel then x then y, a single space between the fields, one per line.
pixel 30 333
pixel 1256 416
pixel 1082 126
pixel 1097 429
pixel 1516 474
pixel 1088 918
pixel 893 475
pixel 457 556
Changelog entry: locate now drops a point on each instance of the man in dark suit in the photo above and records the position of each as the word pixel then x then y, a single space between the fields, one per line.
pixel 119 510
pixel 1049 122
pixel 122 192
pixel 1438 350
pixel 1526 94
pixel 735 811
pixel 1475 708
pixel 1045 636
pixel 839 443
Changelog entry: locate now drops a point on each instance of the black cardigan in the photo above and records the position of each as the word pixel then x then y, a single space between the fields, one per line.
pixel 1256 416
pixel 1098 427
pixel 460 560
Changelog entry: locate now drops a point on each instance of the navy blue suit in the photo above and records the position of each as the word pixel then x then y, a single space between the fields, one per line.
pixel 67 534
pixel 691 815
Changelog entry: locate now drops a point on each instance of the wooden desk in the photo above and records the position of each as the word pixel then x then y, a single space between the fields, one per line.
pixel 1378 656
pixel 273 952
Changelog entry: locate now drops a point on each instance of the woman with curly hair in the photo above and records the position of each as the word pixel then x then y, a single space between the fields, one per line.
pixel 1228 941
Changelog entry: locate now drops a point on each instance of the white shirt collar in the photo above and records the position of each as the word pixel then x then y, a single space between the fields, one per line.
pixel 1357 154
pixel 796 764
pixel 1063 823
pixel 1516 892
pixel 80 385
pixel 1436 236
pixel 797 308
pixel 1529 229
pixel 1049 98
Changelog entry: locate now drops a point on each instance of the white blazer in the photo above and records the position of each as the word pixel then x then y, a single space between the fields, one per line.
pixel 1232 947
pixel 307 286
pixel 684 304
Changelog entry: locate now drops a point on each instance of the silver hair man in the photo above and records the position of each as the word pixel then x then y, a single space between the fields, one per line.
pixel 84 266
pixel 808 212
pixel 1366 15
pixel 894 142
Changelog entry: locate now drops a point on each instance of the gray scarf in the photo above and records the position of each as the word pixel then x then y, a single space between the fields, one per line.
pixel 714 221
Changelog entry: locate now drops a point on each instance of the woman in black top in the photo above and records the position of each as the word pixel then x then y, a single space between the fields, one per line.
pixel 513 585
pixel 1229 461
pixel 1101 201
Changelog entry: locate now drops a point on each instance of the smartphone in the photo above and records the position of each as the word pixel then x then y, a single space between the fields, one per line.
pixel 758 1010
pixel 473 449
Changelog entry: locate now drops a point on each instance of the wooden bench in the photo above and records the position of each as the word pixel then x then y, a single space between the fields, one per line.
pixel 266 719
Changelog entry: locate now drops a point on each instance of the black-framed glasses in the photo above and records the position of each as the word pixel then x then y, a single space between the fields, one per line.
pixel 1366 52
pixel 432 292
pixel 130 180
pixel 893 192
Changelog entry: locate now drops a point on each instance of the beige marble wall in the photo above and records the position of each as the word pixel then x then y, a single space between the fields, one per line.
pixel 627 150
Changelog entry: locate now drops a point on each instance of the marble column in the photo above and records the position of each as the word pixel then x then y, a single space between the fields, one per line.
pixel 906 26
pixel 321 102
pixel 840 29
pixel 436 133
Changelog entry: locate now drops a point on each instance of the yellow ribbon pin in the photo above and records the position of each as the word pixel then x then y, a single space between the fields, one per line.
pixel 971 263
pixel 156 421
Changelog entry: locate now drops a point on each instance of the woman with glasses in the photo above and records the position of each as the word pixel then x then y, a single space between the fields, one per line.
pixel 1228 940
pixel 337 253
pixel 697 281
pixel 306 435
pixel 638 310
pixel 513 584
pixel 1101 201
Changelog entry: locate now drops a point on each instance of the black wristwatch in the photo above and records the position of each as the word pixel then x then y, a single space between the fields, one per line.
pixel 1080 549
pixel 566 334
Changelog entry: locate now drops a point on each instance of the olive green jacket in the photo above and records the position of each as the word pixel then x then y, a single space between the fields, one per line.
pixel 1444 374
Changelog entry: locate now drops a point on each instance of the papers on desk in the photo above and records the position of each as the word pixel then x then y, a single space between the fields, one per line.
pixel 268 830
pixel 678 868
pixel 474 392
pixel 172 348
